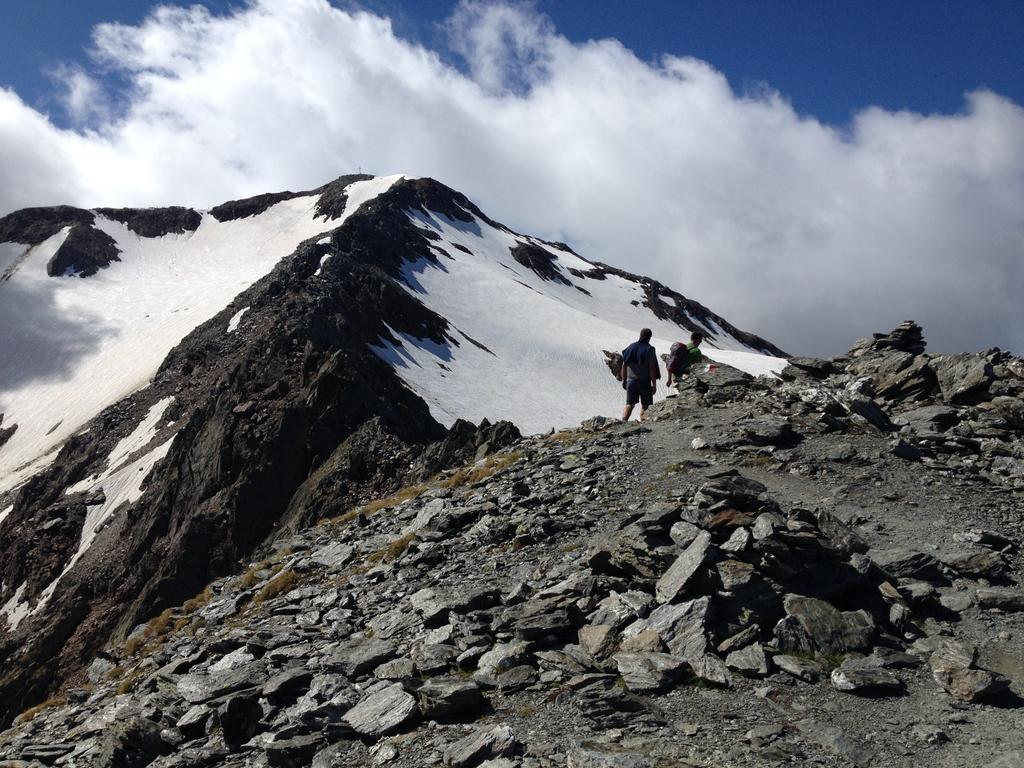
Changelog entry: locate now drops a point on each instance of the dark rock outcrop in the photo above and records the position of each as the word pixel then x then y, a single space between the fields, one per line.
pixel 539 261
pixel 84 252
pixel 34 225
pixel 155 222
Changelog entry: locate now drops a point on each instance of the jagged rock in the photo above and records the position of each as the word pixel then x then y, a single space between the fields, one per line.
pixel 382 711
pixel 734 574
pixel 738 542
pixel 200 686
pixel 741 491
pixel 674 582
pixel 480 746
pixel 445 698
pixel 360 655
pixel 984 538
pixel 633 551
pixel 289 684
pixel 742 638
pixel 767 430
pixel 191 723
pixel 907 563
pixel 813 366
pixel 870 411
pixel 682 627
pixel 903 377
pixel 962 377
pixel 953 668
pixel 851 678
pixel 977 563
pixel 646 672
pixel 832 631
pixel 599 640
pixel 619 609
pixel 803 669
pixel 765 525
pixel 433 659
pixel 750 661
pixel 929 418
pixel 501 658
pixel 1009 600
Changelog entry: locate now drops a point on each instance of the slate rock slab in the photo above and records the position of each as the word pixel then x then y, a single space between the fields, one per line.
pixel 382 711
pixel 865 679
pixel 361 655
pixel 832 630
pixel 446 698
pixel 673 584
pixel 485 744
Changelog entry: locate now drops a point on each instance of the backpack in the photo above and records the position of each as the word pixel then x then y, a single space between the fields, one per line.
pixel 678 358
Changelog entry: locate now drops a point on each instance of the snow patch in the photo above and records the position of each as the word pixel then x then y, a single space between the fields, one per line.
pixel 121 483
pixel 545 369
pixel 5 513
pixel 14 610
pixel 128 316
pixel 236 319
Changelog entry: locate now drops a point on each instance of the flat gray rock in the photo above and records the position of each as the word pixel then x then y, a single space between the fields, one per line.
pixel 647 672
pixel 750 661
pixel 382 711
pixel 673 584
pixel 485 744
pixel 858 679
pixel 808 670
pixel 360 655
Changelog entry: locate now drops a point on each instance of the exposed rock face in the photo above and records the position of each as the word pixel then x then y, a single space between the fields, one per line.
pixel 540 261
pixel 155 222
pixel 84 252
pixel 34 225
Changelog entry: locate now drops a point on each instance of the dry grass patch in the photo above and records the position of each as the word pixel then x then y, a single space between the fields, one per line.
pixel 491 466
pixel 565 437
pixel 392 551
pixel 28 714
pixel 193 604
pixel 281 584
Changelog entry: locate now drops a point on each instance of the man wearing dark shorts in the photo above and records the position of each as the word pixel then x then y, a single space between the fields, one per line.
pixel 639 373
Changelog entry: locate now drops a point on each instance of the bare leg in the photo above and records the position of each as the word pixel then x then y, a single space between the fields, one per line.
pixel 627 412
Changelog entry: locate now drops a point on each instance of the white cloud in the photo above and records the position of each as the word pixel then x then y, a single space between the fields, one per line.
pixel 790 228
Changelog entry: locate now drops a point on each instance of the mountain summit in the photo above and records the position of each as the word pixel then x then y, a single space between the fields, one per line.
pixel 177 386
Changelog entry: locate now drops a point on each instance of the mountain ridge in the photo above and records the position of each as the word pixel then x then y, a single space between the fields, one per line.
pixel 281 408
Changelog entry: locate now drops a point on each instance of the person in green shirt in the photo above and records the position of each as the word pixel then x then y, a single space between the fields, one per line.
pixel 682 356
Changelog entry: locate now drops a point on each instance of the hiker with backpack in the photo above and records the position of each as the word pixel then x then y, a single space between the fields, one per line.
pixel 639 374
pixel 681 356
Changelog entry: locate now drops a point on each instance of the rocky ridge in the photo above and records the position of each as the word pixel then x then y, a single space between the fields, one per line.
pixel 255 434
pixel 769 572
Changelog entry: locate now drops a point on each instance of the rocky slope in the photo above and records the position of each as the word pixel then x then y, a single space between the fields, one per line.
pixel 315 389
pixel 821 569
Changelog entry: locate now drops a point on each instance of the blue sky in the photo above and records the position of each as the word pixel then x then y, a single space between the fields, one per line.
pixel 829 57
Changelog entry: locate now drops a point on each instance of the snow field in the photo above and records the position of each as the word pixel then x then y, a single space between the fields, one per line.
pixel 112 330
pixel 545 367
